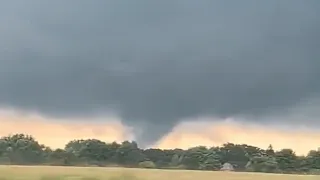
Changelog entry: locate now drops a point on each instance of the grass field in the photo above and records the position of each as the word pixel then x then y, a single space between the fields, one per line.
pixel 97 173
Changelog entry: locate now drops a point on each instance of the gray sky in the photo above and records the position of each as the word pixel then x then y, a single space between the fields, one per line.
pixel 157 62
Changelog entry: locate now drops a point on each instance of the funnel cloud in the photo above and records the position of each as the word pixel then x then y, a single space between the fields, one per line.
pixel 155 63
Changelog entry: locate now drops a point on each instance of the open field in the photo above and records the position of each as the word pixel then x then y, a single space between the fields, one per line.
pixel 97 173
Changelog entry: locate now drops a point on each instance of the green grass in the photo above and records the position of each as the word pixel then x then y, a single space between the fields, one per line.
pixel 99 173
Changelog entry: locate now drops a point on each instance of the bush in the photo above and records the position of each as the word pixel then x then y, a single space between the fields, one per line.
pixel 314 171
pixel 147 164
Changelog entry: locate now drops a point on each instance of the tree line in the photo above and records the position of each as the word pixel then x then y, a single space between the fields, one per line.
pixel 22 149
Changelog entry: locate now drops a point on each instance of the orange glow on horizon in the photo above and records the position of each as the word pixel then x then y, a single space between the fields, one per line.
pixel 56 133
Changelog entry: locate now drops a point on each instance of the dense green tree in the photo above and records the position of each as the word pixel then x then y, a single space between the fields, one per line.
pixel 24 149
pixel 238 154
pixel 262 164
pixel 129 154
pixel 286 160
pixel 201 158
pixel 91 150
pixel 157 156
pixel 270 151
pixel 211 161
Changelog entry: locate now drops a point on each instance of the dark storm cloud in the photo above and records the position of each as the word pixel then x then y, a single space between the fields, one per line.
pixel 155 62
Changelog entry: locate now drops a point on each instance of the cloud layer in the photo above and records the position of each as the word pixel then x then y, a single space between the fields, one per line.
pixel 156 63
